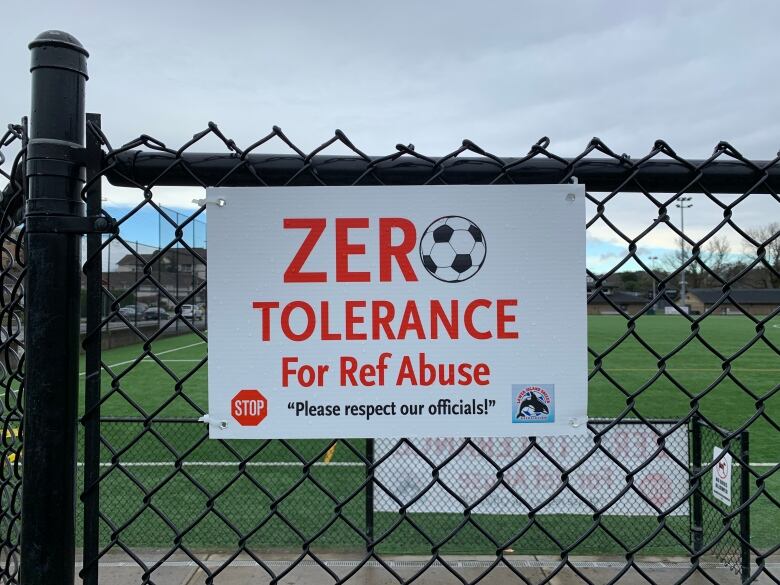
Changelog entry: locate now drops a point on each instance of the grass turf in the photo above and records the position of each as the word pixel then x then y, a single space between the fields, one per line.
pixel 241 503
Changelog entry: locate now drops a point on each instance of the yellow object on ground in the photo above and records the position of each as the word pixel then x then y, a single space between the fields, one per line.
pixel 329 454
pixel 13 433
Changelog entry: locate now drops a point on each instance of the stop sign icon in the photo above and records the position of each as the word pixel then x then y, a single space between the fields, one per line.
pixel 249 408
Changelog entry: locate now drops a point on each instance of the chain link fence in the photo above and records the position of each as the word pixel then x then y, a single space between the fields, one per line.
pixel 725 524
pixel 127 263
pixel 430 481
pixel 163 484
pixel 12 270
pixel 149 478
pixel 617 472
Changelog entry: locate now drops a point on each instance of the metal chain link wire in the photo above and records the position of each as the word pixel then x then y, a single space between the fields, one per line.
pixel 12 270
pixel 158 481
pixel 726 547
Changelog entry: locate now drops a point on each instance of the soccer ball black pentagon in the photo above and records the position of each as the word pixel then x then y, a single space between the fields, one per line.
pixel 453 248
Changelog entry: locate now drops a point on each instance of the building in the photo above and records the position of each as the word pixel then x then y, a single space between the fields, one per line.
pixel 177 270
pixel 174 260
pixel 180 286
pixel 628 302
pixel 607 286
pixel 756 301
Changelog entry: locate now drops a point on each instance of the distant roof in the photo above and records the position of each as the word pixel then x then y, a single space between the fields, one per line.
pixel 610 282
pixel 125 280
pixel 184 256
pixel 747 296
pixel 620 297
pixel 131 259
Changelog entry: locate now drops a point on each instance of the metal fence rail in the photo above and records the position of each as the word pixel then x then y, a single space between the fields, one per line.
pixel 147 482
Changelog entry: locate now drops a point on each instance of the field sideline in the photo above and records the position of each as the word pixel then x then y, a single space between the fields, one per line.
pixel 170 388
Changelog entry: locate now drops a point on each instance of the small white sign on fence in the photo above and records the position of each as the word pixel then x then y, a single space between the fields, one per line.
pixel 721 476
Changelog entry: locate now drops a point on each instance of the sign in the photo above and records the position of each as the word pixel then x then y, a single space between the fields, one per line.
pixel 721 476
pixel 386 311
pixel 599 480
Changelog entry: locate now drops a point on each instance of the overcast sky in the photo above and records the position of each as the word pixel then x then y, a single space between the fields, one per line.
pixel 431 73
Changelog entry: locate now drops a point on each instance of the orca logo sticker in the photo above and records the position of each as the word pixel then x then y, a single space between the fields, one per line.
pixel 533 403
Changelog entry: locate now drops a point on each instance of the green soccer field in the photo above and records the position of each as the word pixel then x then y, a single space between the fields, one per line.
pixel 215 506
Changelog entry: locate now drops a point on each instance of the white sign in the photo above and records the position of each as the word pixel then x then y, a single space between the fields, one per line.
pixel 598 481
pixel 721 476
pixel 385 311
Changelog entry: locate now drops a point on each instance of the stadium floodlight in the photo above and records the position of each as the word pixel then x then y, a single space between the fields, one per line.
pixel 683 203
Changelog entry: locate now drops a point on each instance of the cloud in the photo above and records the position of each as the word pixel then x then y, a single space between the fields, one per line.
pixel 431 74
pixel 180 198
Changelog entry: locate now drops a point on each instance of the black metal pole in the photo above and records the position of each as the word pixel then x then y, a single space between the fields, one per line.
pixel 129 168
pixel 135 294
pixel 370 494
pixel 108 287
pixel 192 280
pixel 744 496
pixel 55 171
pixel 159 268
pixel 92 345
pixel 177 250
pixel 697 516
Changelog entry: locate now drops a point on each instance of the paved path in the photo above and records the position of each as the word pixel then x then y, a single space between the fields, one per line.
pixel 179 569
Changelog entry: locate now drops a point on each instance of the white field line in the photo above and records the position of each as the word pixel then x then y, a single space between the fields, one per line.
pixel 148 359
pixel 672 369
pixel 228 464
pixel 156 353
pixel 265 464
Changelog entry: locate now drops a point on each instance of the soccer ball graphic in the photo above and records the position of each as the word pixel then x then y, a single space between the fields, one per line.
pixel 453 248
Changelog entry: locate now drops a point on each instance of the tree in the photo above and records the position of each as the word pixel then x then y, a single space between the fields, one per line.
pixel 769 272
pixel 629 280
pixel 715 254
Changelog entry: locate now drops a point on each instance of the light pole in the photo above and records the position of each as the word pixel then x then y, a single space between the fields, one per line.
pixel 653 260
pixel 683 203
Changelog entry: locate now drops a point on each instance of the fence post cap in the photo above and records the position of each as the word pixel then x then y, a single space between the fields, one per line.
pixel 56 49
pixel 58 38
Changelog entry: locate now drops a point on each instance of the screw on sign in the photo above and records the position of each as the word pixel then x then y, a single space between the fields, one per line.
pixel 249 408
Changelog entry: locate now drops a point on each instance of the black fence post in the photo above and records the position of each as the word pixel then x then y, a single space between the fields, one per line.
pixel 370 494
pixel 697 513
pixel 55 171
pixel 92 344
pixel 744 496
